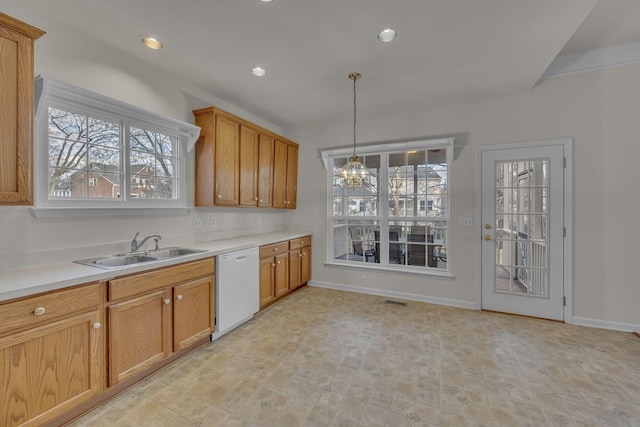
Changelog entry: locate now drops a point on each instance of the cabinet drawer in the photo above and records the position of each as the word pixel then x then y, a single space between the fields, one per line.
pixel 21 314
pixel 135 284
pixel 274 249
pixel 299 243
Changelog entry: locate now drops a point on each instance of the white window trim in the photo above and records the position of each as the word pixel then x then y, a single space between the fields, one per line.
pixel 327 157
pixel 62 95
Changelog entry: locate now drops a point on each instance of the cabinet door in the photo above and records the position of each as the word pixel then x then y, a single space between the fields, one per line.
pixel 248 166
pixel 193 312
pixel 267 275
pixel 139 334
pixel 279 174
pixel 227 161
pixel 265 170
pixel 282 274
pixel 292 177
pixel 305 265
pixel 16 105
pixel 48 370
pixel 295 260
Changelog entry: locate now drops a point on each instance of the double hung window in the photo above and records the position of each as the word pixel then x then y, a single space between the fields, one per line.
pixel 401 220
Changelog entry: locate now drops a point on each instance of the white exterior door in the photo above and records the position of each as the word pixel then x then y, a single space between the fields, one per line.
pixel 522 224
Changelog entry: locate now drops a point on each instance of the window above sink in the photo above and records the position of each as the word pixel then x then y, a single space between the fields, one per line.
pixel 94 152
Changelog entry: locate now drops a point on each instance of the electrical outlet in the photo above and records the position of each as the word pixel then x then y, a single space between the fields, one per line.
pixel 465 222
pixel 256 219
pixel 197 223
pixel 261 219
pixel 212 221
pixel 365 280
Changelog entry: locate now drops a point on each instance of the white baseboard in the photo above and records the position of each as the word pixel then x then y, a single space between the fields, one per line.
pixel 605 324
pixel 393 294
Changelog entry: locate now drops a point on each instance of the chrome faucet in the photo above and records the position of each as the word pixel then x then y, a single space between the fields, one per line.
pixel 135 245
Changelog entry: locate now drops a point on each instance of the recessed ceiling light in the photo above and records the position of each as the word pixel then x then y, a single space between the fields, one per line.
pixel 387 35
pixel 152 43
pixel 258 71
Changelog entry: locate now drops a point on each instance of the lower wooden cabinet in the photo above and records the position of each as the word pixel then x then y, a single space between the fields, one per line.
pixel 193 312
pixel 155 314
pixel 54 360
pixel 139 334
pixel 299 267
pixel 284 267
pixel 274 278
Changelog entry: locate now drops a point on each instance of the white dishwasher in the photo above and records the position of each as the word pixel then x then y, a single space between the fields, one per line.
pixel 238 289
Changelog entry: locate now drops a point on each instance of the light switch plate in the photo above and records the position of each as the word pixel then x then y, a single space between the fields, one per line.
pixel 197 223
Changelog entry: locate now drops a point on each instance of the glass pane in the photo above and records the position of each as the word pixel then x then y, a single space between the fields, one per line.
pixel 65 154
pixel 59 182
pixel 141 140
pixel 165 189
pixel 67 126
pixel 338 206
pixel 165 167
pixel 142 163
pixel 101 157
pixel 142 187
pixel 104 133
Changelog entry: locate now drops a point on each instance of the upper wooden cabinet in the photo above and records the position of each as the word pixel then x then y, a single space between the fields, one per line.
pixel 285 175
pixel 226 161
pixel 16 111
pixel 237 163
pixel 265 171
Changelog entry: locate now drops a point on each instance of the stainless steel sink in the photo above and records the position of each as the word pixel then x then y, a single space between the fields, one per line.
pixel 118 261
pixel 113 262
pixel 173 252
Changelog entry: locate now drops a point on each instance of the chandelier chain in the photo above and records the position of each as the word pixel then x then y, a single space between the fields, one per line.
pixel 354 115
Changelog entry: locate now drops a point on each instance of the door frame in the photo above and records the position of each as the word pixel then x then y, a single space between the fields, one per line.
pixel 567 145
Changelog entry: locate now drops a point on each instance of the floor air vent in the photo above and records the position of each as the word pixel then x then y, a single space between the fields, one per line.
pixel 402 304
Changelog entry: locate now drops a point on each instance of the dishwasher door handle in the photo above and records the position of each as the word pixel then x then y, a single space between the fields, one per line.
pixel 241 258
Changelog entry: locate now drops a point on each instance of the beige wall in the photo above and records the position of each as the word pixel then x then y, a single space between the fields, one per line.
pixel 599 110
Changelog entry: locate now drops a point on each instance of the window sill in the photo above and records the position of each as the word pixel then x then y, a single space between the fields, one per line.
pixel 396 270
pixel 105 212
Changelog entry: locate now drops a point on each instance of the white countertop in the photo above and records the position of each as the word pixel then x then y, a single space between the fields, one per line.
pixel 43 278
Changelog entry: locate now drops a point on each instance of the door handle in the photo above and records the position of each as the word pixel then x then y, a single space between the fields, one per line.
pixel 487 237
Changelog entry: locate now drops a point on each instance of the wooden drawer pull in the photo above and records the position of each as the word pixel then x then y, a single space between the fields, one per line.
pixel 179 297
pixel 97 325
pixel 39 311
pixel 167 301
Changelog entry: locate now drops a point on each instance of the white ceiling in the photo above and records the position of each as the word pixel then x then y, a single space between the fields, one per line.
pixel 446 49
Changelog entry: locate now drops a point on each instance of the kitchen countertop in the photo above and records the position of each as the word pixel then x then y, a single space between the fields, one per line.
pixel 49 277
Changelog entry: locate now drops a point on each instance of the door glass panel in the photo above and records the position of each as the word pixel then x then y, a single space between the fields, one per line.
pixel 520 227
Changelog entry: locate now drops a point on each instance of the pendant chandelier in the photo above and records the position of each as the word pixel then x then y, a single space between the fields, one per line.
pixel 354 175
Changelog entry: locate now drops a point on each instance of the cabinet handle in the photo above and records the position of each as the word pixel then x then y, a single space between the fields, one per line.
pixel 257 199
pixel 300 255
pixel 179 297
pixel 261 200
pixel 278 262
pixel 219 196
pixel 97 325
pixel 39 311
pixel 275 249
pixel 273 265
pixel 167 301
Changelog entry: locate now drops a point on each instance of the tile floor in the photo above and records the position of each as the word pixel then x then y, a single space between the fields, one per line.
pixel 330 358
